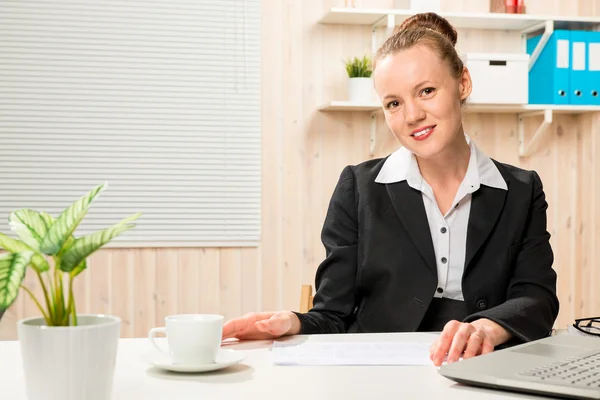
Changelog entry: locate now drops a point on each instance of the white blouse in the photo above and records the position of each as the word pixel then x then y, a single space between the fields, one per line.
pixel 448 232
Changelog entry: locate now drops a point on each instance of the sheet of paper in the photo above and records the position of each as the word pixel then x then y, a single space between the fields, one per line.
pixel 351 353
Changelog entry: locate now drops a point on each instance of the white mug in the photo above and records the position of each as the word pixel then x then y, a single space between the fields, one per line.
pixel 193 339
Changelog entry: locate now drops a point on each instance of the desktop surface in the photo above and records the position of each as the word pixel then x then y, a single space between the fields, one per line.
pixel 258 377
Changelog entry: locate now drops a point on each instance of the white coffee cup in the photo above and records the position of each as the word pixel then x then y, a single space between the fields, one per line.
pixel 193 339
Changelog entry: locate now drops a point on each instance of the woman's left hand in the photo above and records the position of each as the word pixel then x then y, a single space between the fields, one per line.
pixel 466 340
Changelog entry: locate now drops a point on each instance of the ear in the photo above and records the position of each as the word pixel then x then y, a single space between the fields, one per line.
pixel 465 85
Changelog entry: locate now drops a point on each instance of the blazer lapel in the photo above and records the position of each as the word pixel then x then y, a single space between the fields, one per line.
pixel 486 206
pixel 408 204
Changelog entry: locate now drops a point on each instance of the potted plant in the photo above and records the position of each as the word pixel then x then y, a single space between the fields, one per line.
pixel 65 355
pixel 360 83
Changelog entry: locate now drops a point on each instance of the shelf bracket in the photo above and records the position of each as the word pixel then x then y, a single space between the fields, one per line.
pixel 525 149
pixel 548 30
pixel 391 23
pixel 374 38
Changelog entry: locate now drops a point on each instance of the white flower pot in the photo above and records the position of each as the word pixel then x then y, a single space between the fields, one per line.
pixel 360 90
pixel 69 363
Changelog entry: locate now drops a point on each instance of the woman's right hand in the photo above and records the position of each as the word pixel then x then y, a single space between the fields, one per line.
pixel 262 325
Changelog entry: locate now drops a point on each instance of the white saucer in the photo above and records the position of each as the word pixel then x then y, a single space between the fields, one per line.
pixel 225 358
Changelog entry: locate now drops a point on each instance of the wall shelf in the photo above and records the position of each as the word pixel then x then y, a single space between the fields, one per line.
pixel 522 110
pixel 526 24
pixel 498 21
pixel 471 108
pixel 349 106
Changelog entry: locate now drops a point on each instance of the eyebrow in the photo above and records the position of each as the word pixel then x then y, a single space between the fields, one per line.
pixel 391 96
pixel 421 83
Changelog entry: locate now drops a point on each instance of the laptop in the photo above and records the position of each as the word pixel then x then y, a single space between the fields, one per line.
pixel 565 366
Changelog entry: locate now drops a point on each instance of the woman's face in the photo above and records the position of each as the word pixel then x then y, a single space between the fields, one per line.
pixel 421 99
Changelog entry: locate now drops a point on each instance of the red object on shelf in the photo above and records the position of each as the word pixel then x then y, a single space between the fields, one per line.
pixel 511 6
pixel 520 6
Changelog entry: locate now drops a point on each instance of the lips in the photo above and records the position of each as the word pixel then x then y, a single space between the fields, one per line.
pixel 423 133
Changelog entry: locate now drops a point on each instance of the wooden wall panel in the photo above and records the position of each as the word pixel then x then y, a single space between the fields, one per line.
pixel 144 291
pixel 593 219
pixel 272 77
pixel 303 153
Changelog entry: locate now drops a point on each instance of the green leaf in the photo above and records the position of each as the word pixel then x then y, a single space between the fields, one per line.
pixel 359 67
pixel 12 273
pixel 83 265
pixel 14 246
pixel 67 222
pixel 48 219
pixel 79 269
pixel 39 262
pixel 85 246
pixel 29 226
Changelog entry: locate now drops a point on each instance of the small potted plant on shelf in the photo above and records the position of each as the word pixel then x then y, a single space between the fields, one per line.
pixel 360 83
pixel 66 355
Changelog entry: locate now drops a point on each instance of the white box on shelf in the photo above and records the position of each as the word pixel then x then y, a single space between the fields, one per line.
pixel 498 78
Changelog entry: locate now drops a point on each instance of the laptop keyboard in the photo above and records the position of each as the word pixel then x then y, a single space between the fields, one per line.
pixel 578 371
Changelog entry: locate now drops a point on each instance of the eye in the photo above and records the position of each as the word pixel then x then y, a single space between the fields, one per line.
pixel 392 104
pixel 428 91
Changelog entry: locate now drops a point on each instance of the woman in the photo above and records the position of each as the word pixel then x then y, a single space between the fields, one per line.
pixel 435 237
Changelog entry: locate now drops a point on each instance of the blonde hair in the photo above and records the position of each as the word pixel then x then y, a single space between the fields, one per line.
pixel 428 29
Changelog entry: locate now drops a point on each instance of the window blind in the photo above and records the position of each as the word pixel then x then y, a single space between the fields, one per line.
pixel 159 99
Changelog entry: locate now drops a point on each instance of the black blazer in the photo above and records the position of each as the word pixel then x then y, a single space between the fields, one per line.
pixel 379 274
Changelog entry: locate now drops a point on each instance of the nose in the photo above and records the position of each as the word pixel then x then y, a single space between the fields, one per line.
pixel 414 112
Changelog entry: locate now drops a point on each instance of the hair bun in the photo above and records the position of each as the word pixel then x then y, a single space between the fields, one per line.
pixel 431 21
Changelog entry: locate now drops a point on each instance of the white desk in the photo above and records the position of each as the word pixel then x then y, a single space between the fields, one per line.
pixel 258 378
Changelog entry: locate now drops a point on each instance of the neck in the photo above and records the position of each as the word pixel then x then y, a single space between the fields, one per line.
pixel 449 166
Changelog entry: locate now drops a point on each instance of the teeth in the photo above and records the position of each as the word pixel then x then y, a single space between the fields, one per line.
pixel 423 132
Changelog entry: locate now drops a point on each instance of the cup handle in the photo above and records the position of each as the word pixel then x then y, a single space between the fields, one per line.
pixel 152 335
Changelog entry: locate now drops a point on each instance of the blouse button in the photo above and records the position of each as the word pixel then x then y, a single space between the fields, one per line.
pixel 482 304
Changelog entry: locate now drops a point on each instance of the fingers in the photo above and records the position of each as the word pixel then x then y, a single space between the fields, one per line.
pixel 233 327
pixel 474 344
pixel 278 325
pixel 265 325
pixel 459 343
pixel 488 345
pixel 244 326
pixel 442 345
pixel 467 340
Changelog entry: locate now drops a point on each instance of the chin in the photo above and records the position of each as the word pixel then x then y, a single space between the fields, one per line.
pixel 441 140
pixel 426 154
pixel 425 150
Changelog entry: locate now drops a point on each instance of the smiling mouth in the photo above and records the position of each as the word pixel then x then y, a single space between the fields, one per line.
pixel 423 132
